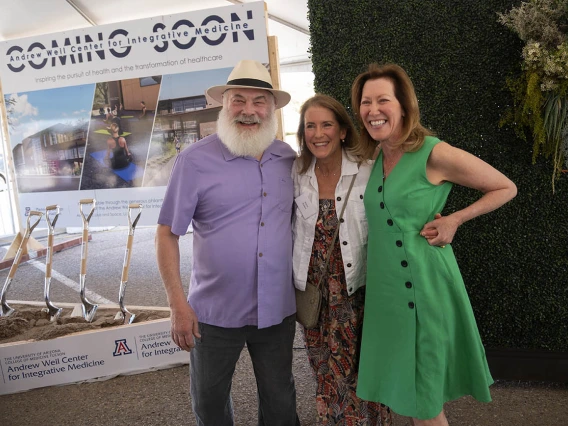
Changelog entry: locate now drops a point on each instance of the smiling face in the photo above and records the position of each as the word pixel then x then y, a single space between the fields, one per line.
pixel 322 133
pixel 381 111
pixel 247 124
pixel 249 107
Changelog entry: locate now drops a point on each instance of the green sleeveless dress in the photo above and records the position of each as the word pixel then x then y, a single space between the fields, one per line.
pixel 420 345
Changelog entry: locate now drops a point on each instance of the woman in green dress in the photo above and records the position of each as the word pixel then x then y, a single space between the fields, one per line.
pixel 416 299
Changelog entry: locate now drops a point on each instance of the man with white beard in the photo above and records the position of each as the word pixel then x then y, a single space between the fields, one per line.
pixel 236 190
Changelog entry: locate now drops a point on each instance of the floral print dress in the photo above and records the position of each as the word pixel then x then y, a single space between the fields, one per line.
pixel 333 345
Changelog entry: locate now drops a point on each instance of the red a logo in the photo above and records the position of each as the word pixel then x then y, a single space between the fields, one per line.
pixel 121 348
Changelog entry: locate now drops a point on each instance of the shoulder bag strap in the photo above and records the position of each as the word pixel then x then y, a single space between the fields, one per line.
pixel 336 231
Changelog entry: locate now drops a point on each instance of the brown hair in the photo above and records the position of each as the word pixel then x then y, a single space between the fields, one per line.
pixel 352 144
pixel 413 133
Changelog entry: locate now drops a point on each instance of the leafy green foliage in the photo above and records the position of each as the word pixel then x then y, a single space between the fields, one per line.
pixel 459 57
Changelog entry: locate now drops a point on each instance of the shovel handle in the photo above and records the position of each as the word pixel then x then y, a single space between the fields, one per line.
pixel 86 201
pixel 51 223
pixel 85 236
pixel 29 225
pixel 131 223
pixel 127 255
pixel 84 251
pixel 29 228
pixel 48 258
pixel 16 261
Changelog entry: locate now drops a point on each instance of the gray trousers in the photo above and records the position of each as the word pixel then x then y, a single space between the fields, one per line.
pixel 213 361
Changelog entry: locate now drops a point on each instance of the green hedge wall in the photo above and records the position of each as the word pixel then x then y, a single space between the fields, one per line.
pixel 515 260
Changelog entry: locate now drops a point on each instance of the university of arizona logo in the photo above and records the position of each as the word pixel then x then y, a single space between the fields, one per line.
pixel 121 348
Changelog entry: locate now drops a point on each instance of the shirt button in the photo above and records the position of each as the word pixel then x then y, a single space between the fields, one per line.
pixel 341 220
pixel 381 188
pixel 261 223
pixel 382 205
pixel 259 254
pixel 404 263
pixel 338 198
pixel 390 222
pixel 264 193
pixel 411 305
pixel 344 243
pixel 361 196
pixel 408 284
pixel 399 243
pixel 350 289
pixel 349 265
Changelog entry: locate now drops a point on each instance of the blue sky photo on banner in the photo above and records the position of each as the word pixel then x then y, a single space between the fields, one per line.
pixel 103 111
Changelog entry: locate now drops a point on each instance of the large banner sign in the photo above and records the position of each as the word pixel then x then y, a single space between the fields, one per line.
pixel 103 112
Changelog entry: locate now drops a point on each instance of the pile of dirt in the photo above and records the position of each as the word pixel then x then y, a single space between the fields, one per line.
pixel 32 323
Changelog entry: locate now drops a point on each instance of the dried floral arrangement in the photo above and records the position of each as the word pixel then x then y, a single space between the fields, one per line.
pixel 541 92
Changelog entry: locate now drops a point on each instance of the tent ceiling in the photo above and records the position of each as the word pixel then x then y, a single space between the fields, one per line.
pixel 23 18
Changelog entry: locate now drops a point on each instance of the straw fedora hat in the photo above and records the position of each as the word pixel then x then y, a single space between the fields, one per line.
pixel 249 74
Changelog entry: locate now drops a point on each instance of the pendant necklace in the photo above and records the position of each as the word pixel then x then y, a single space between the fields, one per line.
pixel 328 173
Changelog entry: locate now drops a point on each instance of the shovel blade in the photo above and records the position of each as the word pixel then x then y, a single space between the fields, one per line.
pixel 125 316
pixel 89 309
pixel 54 312
pixel 6 310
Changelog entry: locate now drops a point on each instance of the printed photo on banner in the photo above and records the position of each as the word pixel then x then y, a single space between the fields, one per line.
pixel 120 128
pixel 184 115
pixel 48 133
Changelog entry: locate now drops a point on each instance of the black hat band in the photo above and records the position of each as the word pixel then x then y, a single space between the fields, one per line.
pixel 249 82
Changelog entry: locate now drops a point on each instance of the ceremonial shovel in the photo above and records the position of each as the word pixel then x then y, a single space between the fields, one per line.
pixel 52 310
pixel 6 309
pixel 124 314
pixel 88 308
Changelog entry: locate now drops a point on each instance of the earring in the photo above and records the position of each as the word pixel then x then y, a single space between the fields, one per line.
pixel 342 140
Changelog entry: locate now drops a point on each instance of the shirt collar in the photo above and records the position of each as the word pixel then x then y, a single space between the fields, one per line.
pixel 349 166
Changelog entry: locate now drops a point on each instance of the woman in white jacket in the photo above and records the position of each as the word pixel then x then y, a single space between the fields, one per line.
pixel 330 156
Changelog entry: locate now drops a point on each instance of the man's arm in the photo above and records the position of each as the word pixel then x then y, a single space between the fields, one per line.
pixel 183 318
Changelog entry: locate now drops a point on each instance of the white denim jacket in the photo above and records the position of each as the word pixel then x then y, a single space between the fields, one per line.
pixel 352 231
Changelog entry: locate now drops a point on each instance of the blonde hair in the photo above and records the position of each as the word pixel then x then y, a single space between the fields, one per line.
pixel 413 133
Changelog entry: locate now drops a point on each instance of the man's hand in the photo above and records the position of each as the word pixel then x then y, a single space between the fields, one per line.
pixel 184 327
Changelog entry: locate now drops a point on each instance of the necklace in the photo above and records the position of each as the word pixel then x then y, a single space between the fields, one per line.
pixel 329 173
pixel 391 163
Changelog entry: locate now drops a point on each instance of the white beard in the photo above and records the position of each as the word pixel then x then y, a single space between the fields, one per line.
pixel 245 142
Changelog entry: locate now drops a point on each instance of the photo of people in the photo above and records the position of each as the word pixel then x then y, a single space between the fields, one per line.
pixel 122 115
pixel 184 116
pixel 48 133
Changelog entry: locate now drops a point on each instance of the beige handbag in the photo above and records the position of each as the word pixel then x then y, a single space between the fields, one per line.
pixel 308 302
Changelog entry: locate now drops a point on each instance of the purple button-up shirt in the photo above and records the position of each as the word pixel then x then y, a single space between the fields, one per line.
pixel 242 238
